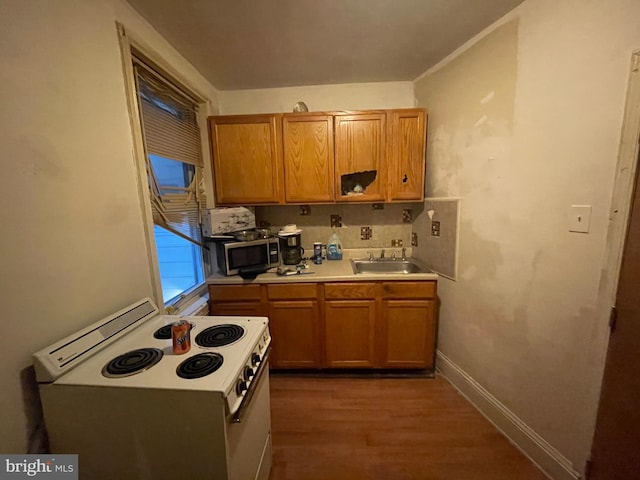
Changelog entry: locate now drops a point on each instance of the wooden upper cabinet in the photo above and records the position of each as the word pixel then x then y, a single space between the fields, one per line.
pixel 406 154
pixel 247 159
pixel 321 157
pixel 360 148
pixel 307 144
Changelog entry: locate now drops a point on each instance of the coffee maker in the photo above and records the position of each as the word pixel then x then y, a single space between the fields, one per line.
pixel 291 249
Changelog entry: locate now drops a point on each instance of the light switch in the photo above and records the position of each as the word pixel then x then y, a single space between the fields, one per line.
pixel 435 228
pixel 579 218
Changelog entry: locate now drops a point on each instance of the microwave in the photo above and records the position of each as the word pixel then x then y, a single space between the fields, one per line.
pixel 247 259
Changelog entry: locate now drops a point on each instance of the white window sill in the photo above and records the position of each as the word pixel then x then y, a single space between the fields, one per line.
pixel 195 304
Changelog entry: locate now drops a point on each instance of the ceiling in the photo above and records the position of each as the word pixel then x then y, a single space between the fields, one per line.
pixel 243 44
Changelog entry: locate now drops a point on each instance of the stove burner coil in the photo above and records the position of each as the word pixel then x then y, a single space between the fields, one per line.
pixel 132 362
pixel 163 333
pixel 219 335
pixel 199 365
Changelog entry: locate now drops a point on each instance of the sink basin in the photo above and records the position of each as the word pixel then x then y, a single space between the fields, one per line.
pixel 386 266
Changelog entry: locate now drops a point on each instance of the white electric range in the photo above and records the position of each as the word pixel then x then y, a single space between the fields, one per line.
pixel 117 395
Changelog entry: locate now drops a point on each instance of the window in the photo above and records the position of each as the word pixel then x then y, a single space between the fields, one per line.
pixel 174 168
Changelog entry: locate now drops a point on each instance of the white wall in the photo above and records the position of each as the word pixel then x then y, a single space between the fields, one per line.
pixel 353 96
pixel 73 238
pixel 525 121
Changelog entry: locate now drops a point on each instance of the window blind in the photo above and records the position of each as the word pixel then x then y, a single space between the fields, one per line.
pixel 170 132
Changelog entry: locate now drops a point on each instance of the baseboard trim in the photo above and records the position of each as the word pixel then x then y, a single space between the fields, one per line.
pixel 537 449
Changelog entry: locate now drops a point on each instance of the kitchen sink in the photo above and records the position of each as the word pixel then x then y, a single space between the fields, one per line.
pixel 386 266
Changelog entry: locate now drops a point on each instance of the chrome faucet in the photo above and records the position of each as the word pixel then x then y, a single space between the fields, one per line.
pixel 371 257
pixel 393 256
pixel 381 254
pixel 404 253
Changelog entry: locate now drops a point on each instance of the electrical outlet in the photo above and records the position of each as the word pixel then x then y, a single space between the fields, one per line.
pixel 378 206
pixel 336 221
pixel 407 215
pixel 305 210
pixel 365 233
pixel 396 242
pixel 414 239
pixel 435 229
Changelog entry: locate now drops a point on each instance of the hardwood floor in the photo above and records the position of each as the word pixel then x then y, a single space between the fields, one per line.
pixel 385 428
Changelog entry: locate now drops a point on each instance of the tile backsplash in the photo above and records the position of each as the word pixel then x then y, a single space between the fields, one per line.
pixel 438 235
pixel 387 224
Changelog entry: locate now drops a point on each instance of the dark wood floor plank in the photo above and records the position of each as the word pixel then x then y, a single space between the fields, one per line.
pixel 385 429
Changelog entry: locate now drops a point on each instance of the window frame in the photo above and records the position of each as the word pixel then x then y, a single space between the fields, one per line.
pixel 128 47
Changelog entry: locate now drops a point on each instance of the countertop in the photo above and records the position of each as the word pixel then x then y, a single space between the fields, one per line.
pixel 328 271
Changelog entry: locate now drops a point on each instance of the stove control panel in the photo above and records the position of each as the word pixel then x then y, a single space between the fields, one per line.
pixel 247 374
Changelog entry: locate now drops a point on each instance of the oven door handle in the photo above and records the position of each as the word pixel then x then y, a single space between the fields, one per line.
pixel 244 405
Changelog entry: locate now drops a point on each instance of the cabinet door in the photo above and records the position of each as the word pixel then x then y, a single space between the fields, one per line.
pixel 350 333
pixel 236 300
pixel 408 333
pixel 295 334
pixel 247 159
pixel 307 144
pixel 406 159
pixel 360 157
pixel 230 293
pixel 242 309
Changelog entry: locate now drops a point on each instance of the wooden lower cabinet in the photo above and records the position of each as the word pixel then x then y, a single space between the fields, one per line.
pixel 408 325
pixel 234 300
pixel 294 323
pixel 243 309
pixel 408 334
pixel 388 324
pixel 349 333
pixel 295 334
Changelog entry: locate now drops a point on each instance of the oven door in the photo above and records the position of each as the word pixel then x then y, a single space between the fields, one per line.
pixel 249 432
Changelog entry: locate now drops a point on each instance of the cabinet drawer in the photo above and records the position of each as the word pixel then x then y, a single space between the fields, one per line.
pixel 234 292
pixel 350 290
pixel 409 289
pixel 242 308
pixel 286 291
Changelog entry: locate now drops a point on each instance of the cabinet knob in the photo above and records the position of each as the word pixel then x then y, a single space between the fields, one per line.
pixel 404 180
